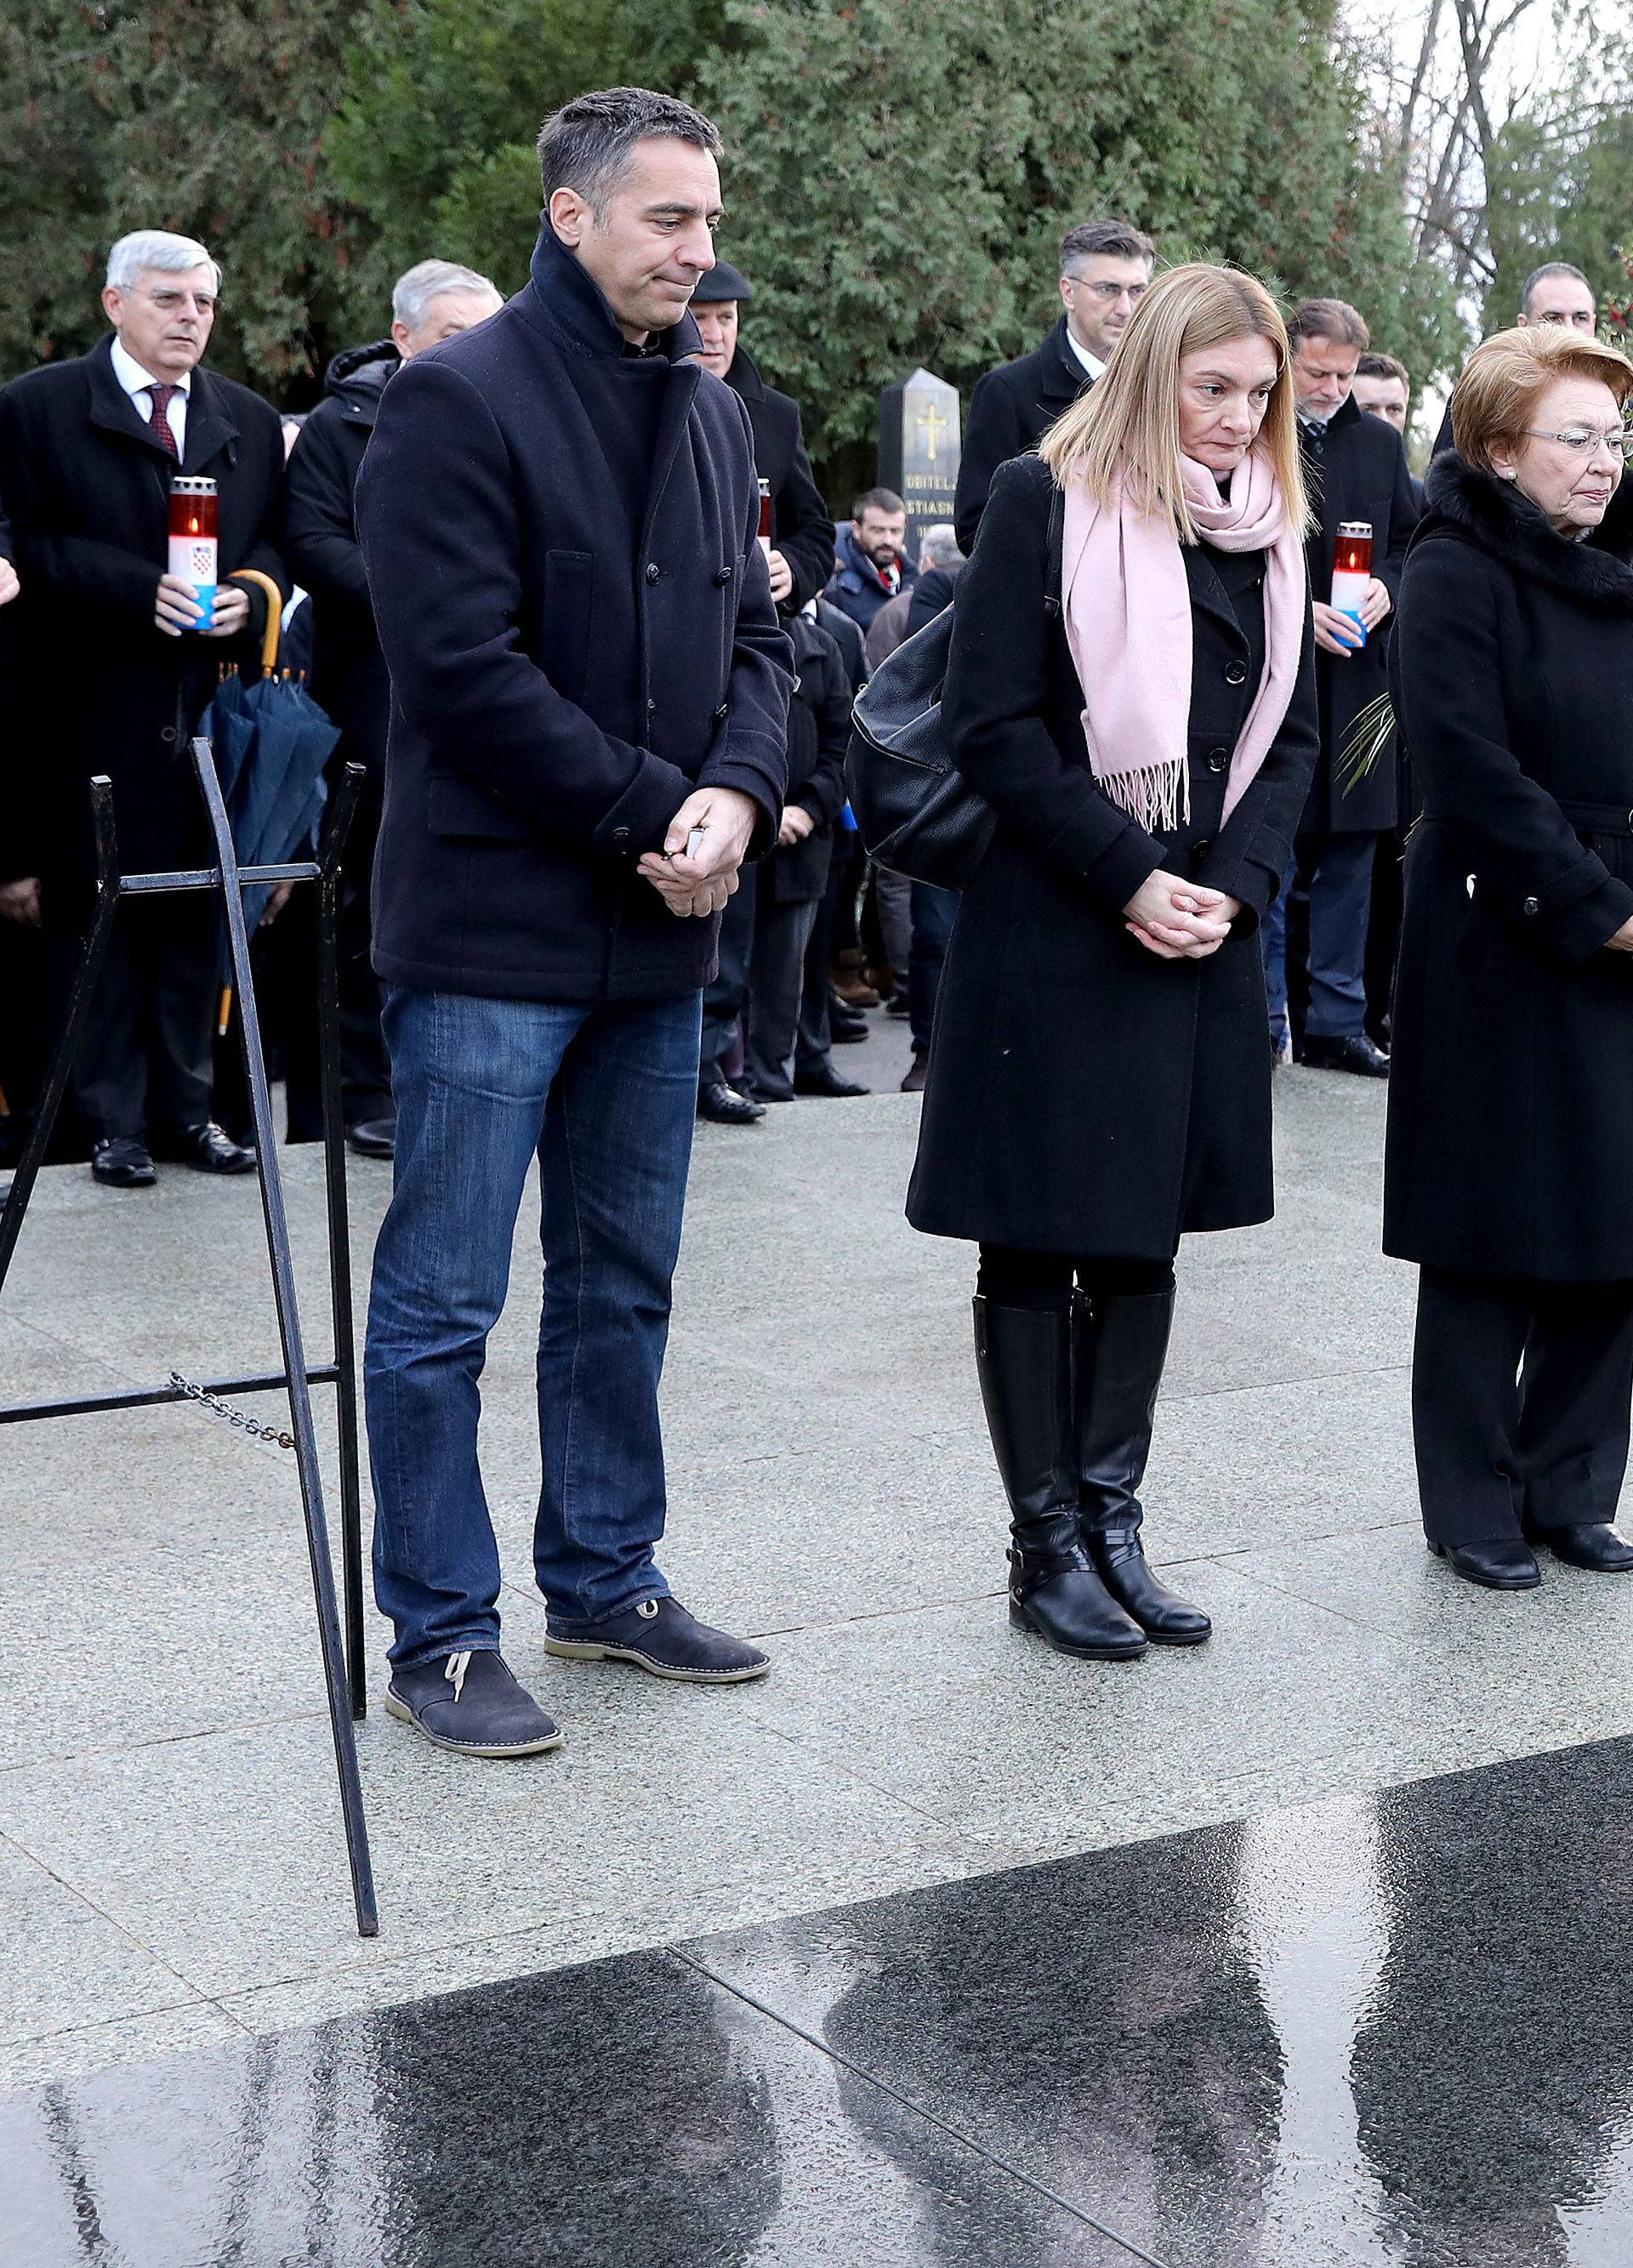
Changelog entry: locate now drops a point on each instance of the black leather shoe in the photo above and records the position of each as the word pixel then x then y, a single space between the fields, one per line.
pixel 846 1025
pixel 658 1635
pixel 120 1164
pixel 1119 1557
pixel 1595 1546
pixel 1023 1357
pixel 208 1150
pixel 917 1076
pixel 1495 1566
pixel 827 1081
pixel 1353 1052
pixel 723 1106
pixel 373 1138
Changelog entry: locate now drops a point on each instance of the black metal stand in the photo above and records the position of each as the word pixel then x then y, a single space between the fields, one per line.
pixel 343 1661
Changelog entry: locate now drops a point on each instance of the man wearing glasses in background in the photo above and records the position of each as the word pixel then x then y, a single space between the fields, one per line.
pixel 1105 266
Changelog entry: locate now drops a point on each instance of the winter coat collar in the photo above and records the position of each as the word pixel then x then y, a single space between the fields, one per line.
pixel 1509 526
pixel 563 298
pixel 744 378
pixel 357 376
pixel 1061 377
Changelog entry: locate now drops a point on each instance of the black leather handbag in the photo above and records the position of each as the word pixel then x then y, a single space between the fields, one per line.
pixel 916 813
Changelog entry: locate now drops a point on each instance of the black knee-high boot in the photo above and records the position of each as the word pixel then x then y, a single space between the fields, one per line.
pixel 1023 1356
pixel 1121 1345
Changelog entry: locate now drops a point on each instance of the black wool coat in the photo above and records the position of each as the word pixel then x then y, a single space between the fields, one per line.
pixel 1361 473
pixel 1010 410
pixel 801 524
pixel 931 594
pixel 819 731
pixel 349 674
pixel 1085 1097
pixel 86 483
pixel 578 632
pixel 1510 1091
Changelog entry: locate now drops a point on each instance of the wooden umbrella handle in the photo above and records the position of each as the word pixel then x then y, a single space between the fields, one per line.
pixel 274 615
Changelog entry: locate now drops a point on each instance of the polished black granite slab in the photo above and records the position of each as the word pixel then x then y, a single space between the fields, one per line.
pixel 1363 2033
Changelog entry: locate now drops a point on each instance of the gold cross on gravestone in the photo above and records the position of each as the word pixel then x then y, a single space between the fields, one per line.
pixel 931 422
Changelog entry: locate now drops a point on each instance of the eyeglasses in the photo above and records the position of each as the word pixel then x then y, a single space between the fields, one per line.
pixel 1620 442
pixel 1108 294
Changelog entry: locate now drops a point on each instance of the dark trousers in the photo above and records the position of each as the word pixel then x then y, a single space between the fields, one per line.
pixel 934 912
pixel 144 1061
pixel 814 1047
pixel 1520 1395
pixel 1339 871
pixel 725 999
pixel 776 988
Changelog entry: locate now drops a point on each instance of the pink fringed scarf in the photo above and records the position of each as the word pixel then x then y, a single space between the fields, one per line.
pixel 1127 609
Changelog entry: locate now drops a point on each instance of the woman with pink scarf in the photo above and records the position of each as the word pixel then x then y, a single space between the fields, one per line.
pixel 1098 1081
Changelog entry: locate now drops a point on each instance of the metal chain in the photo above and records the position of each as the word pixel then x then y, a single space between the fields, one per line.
pixel 238 1418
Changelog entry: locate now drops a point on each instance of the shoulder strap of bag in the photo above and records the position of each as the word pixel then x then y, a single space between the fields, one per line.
pixel 1053 573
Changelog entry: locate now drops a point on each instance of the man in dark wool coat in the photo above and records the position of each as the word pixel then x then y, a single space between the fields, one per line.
pixel 802 557
pixel 1105 266
pixel 559 517
pixel 434 300
pixel 1357 470
pixel 122 662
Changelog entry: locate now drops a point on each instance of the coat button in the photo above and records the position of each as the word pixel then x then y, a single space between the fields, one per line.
pixel 1217 759
pixel 1531 907
pixel 722 712
pixel 168 735
pixel 1237 673
pixel 620 834
pixel 654 572
pixel 652 707
pixel 721 578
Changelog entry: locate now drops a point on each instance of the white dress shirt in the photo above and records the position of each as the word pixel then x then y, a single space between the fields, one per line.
pixel 137 384
pixel 1091 363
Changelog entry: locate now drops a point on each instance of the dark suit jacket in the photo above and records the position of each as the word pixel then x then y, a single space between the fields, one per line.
pixel 1012 407
pixel 819 731
pixel 932 590
pixel 1360 474
pixel 802 525
pixel 561 545
pixel 86 483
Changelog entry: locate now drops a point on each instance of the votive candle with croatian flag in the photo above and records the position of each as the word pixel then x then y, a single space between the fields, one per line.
pixel 192 539
pixel 766 524
pixel 1352 569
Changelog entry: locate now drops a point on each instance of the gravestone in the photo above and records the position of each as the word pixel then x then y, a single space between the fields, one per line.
pixel 919 449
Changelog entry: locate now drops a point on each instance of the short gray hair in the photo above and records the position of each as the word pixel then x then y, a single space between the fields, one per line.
pixel 414 291
pixel 157 248
pixel 938 546
pixel 586 145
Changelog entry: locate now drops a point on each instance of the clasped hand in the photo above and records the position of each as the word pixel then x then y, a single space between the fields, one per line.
pixel 1178 920
pixel 701 885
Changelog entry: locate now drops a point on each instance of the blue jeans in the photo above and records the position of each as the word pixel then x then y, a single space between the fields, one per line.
pixel 605 1097
pixel 1340 872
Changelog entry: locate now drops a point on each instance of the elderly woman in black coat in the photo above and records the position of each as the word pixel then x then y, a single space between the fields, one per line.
pixel 1511 1108
pixel 1145 730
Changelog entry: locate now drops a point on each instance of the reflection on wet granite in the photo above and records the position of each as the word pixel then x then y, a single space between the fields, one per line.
pixel 1390 2032
pixel 1387 2030
pixel 628 2111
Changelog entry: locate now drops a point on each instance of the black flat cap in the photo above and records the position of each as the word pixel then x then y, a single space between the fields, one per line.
pixel 722 281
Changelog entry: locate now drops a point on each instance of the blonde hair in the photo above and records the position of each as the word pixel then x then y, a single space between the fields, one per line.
pixel 1125 431
pixel 1496 398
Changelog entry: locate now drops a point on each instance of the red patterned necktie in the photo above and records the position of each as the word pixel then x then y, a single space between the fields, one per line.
pixel 159 421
